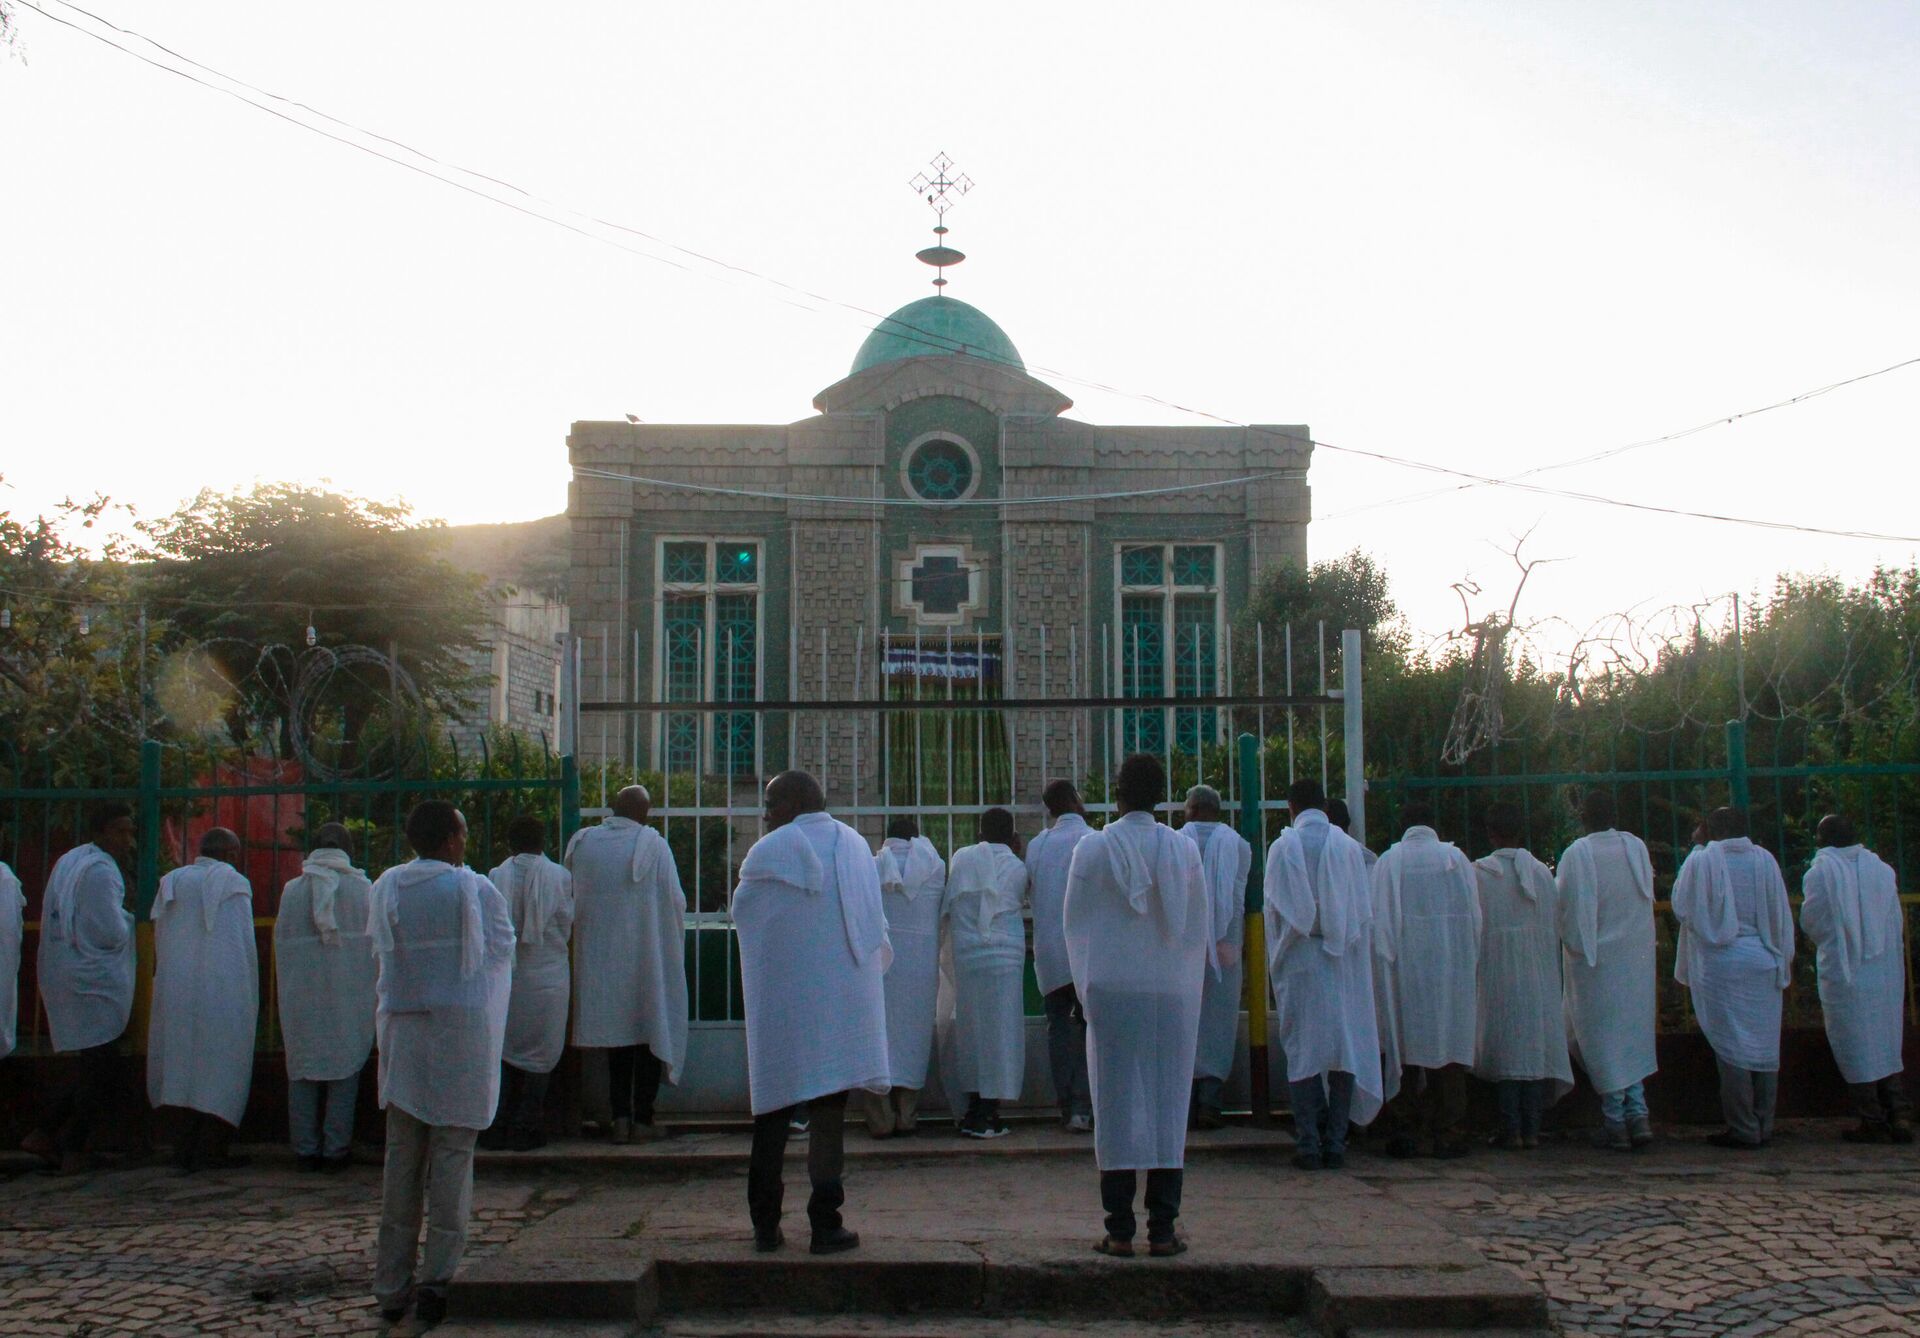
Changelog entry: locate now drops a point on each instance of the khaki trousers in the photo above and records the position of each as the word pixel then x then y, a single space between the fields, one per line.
pixel 428 1166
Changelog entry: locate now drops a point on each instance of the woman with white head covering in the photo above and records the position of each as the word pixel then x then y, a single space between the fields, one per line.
pixel 324 968
pixel 913 878
pixel 1225 860
pixel 1853 914
pixel 986 885
pixel 1137 935
pixel 539 896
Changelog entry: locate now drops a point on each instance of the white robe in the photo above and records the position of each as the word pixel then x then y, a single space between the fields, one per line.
pixel 1853 915
pixel 1225 860
pixel 539 897
pixel 206 991
pixel 912 900
pixel 86 959
pixel 13 905
pixel 323 963
pixel 1606 887
pixel 1137 925
pixel 986 885
pixel 1049 858
pixel 629 942
pixel 1523 1023
pixel 1426 939
pixel 1736 949
pixel 814 955
pixel 445 948
pixel 1319 917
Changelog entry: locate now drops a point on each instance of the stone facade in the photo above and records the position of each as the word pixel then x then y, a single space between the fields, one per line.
pixel 519 671
pixel 1035 586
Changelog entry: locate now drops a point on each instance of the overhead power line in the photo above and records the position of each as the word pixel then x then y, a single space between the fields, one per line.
pixel 437 170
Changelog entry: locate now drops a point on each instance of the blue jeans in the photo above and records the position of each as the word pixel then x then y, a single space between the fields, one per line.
pixel 1629 1103
pixel 1067 1054
pixel 315 1134
pixel 1321 1112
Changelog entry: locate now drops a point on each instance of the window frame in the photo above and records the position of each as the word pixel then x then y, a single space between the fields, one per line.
pixel 940 434
pixel 1168 592
pixel 710 589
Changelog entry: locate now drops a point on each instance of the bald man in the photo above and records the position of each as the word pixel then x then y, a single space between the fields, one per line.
pixel 206 1001
pixel 630 967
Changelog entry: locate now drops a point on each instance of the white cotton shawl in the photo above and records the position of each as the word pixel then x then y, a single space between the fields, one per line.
pixel 403 993
pixel 539 897
pixel 918 862
pixel 1319 903
pixel 1703 901
pixel 325 968
pixel 982 889
pixel 1606 883
pixel 206 991
pixel 887 869
pixel 57 905
pixel 538 887
pixel 1428 951
pixel 1579 878
pixel 1522 1020
pixel 86 960
pixel 1858 885
pixel 1225 859
pixel 913 980
pixel 646 854
pixel 13 906
pixel 629 942
pixel 788 856
pixel 1049 859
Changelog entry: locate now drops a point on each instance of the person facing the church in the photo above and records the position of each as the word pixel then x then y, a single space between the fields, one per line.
pixel 814 954
pixel 324 968
pixel 1049 858
pixel 1606 885
pixel 986 887
pixel 1138 930
pixel 1225 860
pixel 913 879
pixel 1522 1048
pixel 630 967
pixel 1853 915
pixel 539 896
pixel 206 1001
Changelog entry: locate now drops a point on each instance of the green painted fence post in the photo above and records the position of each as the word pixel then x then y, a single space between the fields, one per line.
pixel 569 798
pixel 1737 764
pixel 146 867
pixel 1254 956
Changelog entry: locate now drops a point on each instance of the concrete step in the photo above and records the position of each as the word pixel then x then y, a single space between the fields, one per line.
pixel 969 1326
pixel 1398 1300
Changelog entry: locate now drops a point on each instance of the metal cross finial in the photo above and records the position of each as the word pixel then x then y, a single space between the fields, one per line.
pixel 941 191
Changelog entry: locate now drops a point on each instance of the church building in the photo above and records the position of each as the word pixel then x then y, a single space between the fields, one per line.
pixel 939 524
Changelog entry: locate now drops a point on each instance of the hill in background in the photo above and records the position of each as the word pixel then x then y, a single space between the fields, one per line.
pixel 530 555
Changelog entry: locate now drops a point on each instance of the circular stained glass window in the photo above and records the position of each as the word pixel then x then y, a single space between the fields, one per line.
pixel 940 470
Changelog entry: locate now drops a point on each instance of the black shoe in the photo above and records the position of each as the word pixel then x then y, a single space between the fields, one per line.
pixel 335 1165
pixel 308 1164
pixel 1334 1161
pixel 1868 1131
pixel 1205 1117
pixel 1308 1161
pixel 393 1314
pixel 430 1308
pixel 837 1241
pixel 987 1129
pixel 766 1242
pixel 1726 1138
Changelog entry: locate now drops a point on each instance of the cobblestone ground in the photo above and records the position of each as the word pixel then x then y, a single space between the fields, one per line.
pixel 262 1250
pixel 1811 1236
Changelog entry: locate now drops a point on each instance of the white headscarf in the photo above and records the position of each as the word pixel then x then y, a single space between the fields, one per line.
pixel 1132 849
pixel 385 911
pixel 56 907
pixel 1579 876
pixel 1307 903
pixel 1859 937
pixel 786 856
pixel 323 870
pixel 975 874
pixel 918 861
pixel 646 853
pixel 546 893
pixel 223 881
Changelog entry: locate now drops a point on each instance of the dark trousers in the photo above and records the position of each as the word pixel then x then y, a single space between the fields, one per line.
pixel 633 1082
pixel 1322 1112
pixel 1433 1107
pixel 1522 1102
pixel 1163 1202
pixel 523 1101
pixel 1067 1053
pixel 826 1157
pixel 87 1100
pixel 1882 1102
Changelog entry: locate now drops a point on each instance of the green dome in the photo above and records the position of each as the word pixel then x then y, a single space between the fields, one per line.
pixel 937 327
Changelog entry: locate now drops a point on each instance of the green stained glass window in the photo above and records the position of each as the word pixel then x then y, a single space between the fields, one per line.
pixel 736 643
pixel 1193 564
pixel 683 625
pixel 1142 672
pixel 1140 566
pixel 1195 642
pixel 735 563
pixel 940 471
pixel 685 563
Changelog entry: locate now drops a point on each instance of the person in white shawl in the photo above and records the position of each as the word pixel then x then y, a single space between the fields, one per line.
pixel 1736 955
pixel 323 965
pixel 1522 1048
pixel 85 968
pixel 206 1001
pixel 1342 817
pixel 1225 861
pixel 814 955
pixel 13 906
pixel 539 896
pixel 913 879
pixel 1319 918
pixel 1852 913
pixel 445 949
pixel 1426 942
pixel 1606 887
pixel 630 963
pixel 986 886
pixel 1049 858
pixel 1138 927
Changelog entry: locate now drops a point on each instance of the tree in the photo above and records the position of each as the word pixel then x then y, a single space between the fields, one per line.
pixel 243 576
pixel 1347 591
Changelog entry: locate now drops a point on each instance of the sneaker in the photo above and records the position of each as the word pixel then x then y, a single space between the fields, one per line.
pixel 1726 1138
pixel 1308 1161
pixel 799 1124
pixel 982 1129
pixel 1080 1124
pixel 1639 1131
pixel 837 1241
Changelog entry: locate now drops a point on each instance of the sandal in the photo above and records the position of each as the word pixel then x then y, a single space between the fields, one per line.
pixel 1119 1249
pixel 1166 1249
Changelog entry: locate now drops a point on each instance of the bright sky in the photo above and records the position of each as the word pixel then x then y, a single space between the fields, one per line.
pixel 1480 234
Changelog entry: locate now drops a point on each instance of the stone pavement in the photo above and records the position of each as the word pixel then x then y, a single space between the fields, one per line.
pixel 1810 1237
